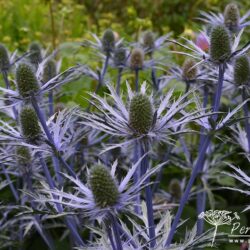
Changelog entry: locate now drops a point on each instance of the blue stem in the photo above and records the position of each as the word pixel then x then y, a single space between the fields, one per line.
pixel 201 196
pixel 68 221
pixel 246 114
pixel 105 67
pixel 200 161
pixel 51 103
pixel 136 177
pixel 42 120
pixel 153 74
pixel 7 84
pixel 148 193
pixel 118 82
pixel 115 228
pixel 109 231
pixel 46 237
pixel 137 80
pixel 12 188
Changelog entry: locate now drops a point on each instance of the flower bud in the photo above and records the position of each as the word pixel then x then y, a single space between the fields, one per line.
pixel 49 70
pixel 136 59
pixel 149 41
pixel 29 124
pixel 242 70
pixel 175 189
pixel 108 41
pixel 140 114
pixel 4 58
pixel 232 17
pixel 103 187
pixel 189 72
pixel 35 56
pixel 24 156
pixel 220 46
pixel 120 56
pixel 26 80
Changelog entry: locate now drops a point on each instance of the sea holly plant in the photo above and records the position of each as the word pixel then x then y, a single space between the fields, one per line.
pixel 117 173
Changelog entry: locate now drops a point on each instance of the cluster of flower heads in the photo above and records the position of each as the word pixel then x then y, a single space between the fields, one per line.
pixel 99 174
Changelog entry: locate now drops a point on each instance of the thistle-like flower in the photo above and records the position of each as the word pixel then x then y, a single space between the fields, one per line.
pixel 137 59
pixel 242 71
pixel 49 71
pixel 140 119
pixel 220 45
pixel 29 125
pixel 231 18
pixel 35 56
pixel 4 59
pixel 26 80
pixel 189 71
pixel 108 41
pixel 102 195
pixel 120 56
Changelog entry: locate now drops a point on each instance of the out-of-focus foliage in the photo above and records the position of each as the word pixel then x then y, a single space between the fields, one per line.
pixel 22 21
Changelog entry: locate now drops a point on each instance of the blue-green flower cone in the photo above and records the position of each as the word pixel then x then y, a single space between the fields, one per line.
pixel 103 187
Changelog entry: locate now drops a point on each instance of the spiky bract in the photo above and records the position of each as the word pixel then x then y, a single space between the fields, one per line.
pixel 220 46
pixel 103 187
pixel 26 80
pixel 242 70
pixel 140 114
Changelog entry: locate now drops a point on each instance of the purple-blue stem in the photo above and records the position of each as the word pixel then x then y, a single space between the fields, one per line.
pixel 136 80
pixel 51 103
pixel 202 196
pixel 148 195
pixel 7 84
pixel 246 114
pixel 109 231
pixel 136 177
pixel 42 120
pixel 153 73
pixel 115 228
pixel 46 237
pixel 200 161
pixel 118 82
pixel 70 224
pixel 12 188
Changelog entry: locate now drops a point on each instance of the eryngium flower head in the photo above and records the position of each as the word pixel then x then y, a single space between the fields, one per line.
pixel 4 58
pixel 26 80
pixel 108 41
pixel 242 70
pixel 29 124
pixel 120 56
pixel 49 70
pixel 189 72
pixel 149 41
pixel 35 53
pixel 175 189
pixel 232 17
pixel 140 114
pixel 220 46
pixel 103 187
pixel 136 59
pixel 24 156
